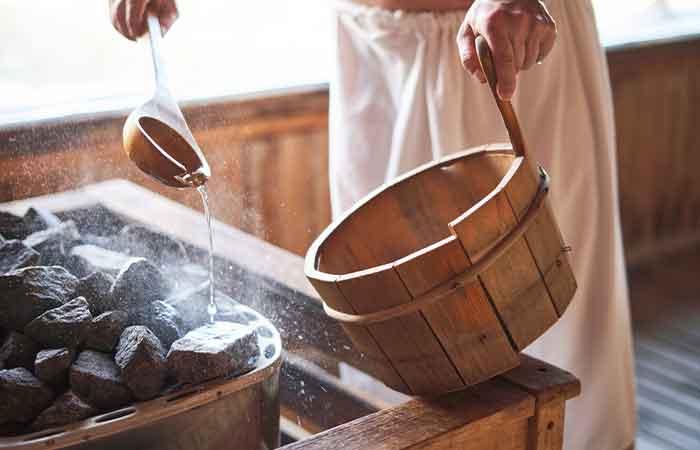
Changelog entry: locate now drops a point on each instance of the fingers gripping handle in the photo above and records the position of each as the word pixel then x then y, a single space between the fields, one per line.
pixel 505 106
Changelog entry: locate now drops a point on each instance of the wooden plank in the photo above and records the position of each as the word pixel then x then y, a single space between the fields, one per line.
pixel 546 428
pixel 408 341
pixel 550 253
pixel 509 436
pixel 513 283
pixel 545 381
pixel 488 406
pixel 377 361
pixel 465 322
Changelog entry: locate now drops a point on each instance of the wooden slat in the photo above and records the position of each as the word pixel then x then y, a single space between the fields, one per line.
pixel 550 255
pixel 482 409
pixel 465 321
pixel 524 306
pixel 408 341
pixel 377 361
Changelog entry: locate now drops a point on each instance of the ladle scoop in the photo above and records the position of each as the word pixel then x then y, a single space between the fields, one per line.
pixel 156 137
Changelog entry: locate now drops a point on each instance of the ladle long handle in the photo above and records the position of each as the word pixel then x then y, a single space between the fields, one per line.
pixel 505 106
pixel 155 35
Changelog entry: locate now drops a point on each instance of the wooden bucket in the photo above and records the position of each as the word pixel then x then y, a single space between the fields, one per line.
pixel 441 277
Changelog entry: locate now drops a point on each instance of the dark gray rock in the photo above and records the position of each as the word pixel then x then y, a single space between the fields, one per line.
pixel 137 240
pixel 51 366
pixel 212 351
pixel 37 219
pixel 67 408
pixel 95 378
pixel 27 293
pixel 22 396
pixel 96 289
pixel 77 266
pixel 17 351
pixel 98 259
pixel 61 327
pixel 15 255
pixel 137 285
pixel 141 358
pixel 163 320
pixel 12 226
pixel 103 332
pixel 54 243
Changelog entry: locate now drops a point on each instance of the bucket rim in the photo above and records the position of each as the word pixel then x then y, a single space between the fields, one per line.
pixel 313 254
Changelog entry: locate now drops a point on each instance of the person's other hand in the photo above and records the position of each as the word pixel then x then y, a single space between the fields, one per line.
pixel 520 33
pixel 129 16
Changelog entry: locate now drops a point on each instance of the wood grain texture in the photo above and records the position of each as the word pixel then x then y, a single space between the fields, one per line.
pixel 544 381
pixel 465 322
pixel 377 362
pixel 408 341
pixel 513 283
pixel 550 254
pixel 546 428
pixel 475 411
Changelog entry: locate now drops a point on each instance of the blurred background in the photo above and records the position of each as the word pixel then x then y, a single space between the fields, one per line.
pixel 209 52
pixel 253 80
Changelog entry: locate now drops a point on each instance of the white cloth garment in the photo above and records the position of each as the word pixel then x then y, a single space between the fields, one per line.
pixel 400 98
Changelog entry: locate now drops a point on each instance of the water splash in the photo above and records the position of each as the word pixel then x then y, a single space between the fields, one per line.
pixel 211 308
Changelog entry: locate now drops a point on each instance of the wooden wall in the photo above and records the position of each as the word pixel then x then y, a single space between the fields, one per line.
pixel 269 154
pixel 656 91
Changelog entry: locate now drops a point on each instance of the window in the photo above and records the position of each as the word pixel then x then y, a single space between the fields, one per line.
pixel 61 57
pixel 624 22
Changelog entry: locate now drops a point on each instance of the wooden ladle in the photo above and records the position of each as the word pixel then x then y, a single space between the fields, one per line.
pixel 156 137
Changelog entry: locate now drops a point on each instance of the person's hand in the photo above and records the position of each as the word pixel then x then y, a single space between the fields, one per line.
pixel 519 33
pixel 129 16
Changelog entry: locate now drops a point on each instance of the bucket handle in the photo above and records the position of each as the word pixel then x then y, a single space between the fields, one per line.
pixel 459 281
pixel 505 106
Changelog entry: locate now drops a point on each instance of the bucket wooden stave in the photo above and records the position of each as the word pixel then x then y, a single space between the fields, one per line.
pixel 397 269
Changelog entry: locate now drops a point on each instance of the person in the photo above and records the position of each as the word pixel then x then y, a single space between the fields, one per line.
pixel 400 98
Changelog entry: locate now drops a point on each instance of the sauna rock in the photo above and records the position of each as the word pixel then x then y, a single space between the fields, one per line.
pixel 103 332
pixel 66 409
pixel 17 351
pixel 22 395
pixel 63 326
pixel 12 226
pixel 138 284
pixel 95 288
pixel 53 243
pixel 95 377
pixel 141 358
pixel 98 259
pixel 15 254
pixel 37 219
pixel 51 366
pixel 163 320
pixel 138 240
pixel 29 292
pixel 213 350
